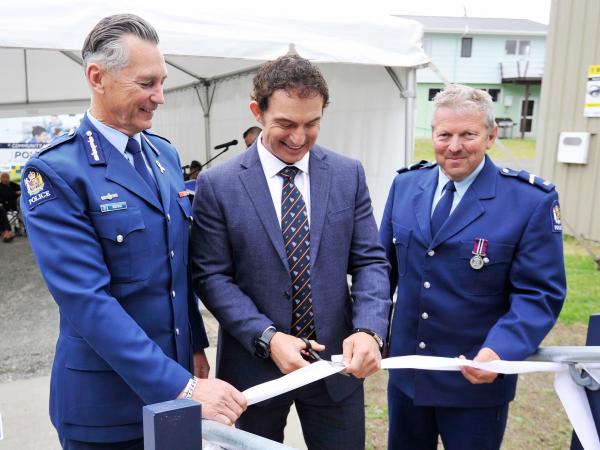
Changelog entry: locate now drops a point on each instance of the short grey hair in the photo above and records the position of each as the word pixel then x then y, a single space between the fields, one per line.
pixel 465 99
pixel 104 46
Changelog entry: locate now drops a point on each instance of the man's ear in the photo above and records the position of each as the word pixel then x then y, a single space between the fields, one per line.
pixel 492 137
pixel 256 112
pixel 96 77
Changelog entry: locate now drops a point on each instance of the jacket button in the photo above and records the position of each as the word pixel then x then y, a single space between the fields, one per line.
pixel 422 345
pixel 168 217
pixel 425 316
pixel 430 253
pixel 171 254
pixel 119 238
pixel 176 331
pixel 173 295
pixel 427 285
pixel 394 240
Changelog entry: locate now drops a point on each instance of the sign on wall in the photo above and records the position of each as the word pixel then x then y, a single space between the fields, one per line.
pixel 23 137
pixel 592 92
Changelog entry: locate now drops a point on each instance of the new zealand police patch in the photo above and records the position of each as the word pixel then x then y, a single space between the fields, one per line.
pixel 39 189
pixel 556 223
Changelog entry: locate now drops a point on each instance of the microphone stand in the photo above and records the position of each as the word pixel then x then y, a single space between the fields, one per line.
pixel 216 156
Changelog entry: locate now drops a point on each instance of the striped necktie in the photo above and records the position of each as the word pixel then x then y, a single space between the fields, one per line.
pixel 296 237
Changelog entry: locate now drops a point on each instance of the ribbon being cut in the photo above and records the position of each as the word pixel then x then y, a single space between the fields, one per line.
pixel 571 394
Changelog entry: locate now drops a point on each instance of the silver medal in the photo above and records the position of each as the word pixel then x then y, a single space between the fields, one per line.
pixel 476 262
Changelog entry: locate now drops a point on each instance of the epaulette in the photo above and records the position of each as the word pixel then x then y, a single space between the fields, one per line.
pixel 56 142
pixel 416 166
pixel 527 177
pixel 156 135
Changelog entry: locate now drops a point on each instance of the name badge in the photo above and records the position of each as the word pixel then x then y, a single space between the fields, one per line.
pixel 110 207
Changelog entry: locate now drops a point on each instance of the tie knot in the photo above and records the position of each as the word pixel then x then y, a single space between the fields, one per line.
pixel 289 172
pixel 132 146
pixel 449 186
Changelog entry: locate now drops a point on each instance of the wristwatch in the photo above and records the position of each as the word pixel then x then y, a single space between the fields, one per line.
pixel 373 334
pixel 262 344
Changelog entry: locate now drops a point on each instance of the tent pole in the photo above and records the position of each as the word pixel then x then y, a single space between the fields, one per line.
pixel 206 99
pixel 408 95
pixel 409 117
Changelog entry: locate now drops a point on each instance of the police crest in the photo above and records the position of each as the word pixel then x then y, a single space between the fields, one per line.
pixel 34 182
pixel 39 190
pixel 556 223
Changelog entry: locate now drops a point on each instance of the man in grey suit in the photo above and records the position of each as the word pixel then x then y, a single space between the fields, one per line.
pixel 276 232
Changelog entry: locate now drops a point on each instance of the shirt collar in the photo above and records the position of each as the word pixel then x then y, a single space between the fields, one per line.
pixel 117 139
pixel 462 185
pixel 273 165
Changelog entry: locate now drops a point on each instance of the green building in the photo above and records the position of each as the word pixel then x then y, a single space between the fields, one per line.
pixel 503 56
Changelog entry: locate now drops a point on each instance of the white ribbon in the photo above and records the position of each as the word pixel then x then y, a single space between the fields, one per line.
pixel 572 396
pixel 298 378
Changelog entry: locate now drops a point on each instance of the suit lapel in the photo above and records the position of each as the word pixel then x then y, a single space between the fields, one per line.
pixel 470 206
pixel 319 176
pixel 253 180
pixel 118 169
pixel 422 202
pixel 161 178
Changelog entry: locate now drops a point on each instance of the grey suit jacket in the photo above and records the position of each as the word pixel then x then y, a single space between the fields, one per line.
pixel 240 268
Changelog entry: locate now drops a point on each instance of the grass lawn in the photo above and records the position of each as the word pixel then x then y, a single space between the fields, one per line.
pixel 519 149
pixel 536 417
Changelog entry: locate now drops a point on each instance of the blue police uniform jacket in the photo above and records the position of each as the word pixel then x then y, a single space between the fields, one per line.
pixel 444 306
pixel 115 258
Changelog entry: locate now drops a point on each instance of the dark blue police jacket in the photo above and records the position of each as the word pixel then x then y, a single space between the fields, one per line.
pixel 115 260
pixel 445 307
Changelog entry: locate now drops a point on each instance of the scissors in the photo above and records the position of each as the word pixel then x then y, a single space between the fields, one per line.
pixel 312 356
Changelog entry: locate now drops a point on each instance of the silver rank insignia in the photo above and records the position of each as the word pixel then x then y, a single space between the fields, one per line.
pixel 162 169
pixel 92 144
pixel 109 196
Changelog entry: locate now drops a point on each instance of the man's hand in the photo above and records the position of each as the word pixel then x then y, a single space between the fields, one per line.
pixel 361 355
pixel 286 352
pixel 220 401
pixel 201 365
pixel 478 376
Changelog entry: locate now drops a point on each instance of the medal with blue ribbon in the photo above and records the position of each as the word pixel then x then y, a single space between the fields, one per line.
pixel 478 260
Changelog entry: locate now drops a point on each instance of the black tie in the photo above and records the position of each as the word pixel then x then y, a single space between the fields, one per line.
pixel 296 237
pixel 442 209
pixel 140 166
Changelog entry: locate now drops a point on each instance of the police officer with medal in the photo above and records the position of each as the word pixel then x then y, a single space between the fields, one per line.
pixel 110 235
pixel 477 260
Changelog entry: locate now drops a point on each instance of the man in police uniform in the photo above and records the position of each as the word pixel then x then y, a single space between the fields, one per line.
pixel 476 255
pixel 109 231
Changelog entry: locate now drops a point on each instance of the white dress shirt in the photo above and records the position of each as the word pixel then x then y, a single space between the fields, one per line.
pixel 119 140
pixel 461 186
pixel 272 166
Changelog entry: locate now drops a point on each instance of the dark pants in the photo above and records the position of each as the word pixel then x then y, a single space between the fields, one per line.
pixel 417 427
pixel 4 224
pixel 69 444
pixel 325 424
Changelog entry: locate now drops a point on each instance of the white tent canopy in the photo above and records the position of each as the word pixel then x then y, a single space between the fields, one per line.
pixel 368 60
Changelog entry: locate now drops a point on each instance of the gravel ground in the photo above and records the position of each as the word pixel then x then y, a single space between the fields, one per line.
pixel 29 316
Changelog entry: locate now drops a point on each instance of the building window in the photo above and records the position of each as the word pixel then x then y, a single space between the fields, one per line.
pixel 515 47
pixel 465 47
pixel 433 92
pixel 494 93
pixel 524 47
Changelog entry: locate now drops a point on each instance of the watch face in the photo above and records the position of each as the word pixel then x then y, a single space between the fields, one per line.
pixel 261 349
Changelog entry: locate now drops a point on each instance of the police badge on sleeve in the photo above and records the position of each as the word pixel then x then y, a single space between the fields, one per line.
pixel 39 189
pixel 556 223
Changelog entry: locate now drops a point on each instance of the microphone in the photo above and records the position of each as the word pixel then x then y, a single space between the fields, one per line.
pixel 226 144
